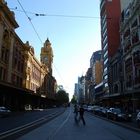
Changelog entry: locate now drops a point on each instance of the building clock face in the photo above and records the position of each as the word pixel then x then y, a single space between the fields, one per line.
pixel 46 59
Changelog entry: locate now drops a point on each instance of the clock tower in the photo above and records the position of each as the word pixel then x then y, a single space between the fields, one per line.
pixel 47 55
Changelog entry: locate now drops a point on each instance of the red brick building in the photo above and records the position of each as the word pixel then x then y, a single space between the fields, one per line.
pixel 110 12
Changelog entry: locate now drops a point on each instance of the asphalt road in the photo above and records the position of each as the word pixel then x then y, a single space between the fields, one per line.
pixel 17 124
pixel 64 128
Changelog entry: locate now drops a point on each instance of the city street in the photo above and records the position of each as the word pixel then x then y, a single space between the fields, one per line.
pixel 65 61
pixel 19 123
pixel 64 128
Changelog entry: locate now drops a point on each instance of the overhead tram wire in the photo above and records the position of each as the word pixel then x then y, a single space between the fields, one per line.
pixel 30 21
pixel 53 15
pixel 59 74
pixel 36 31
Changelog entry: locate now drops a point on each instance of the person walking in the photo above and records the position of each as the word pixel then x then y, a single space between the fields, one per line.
pixel 76 113
pixel 81 115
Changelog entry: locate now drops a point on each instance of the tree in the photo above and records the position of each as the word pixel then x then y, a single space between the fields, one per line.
pixel 62 97
pixel 74 100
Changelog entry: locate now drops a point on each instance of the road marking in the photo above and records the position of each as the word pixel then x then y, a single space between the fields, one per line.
pixel 58 129
pixel 28 125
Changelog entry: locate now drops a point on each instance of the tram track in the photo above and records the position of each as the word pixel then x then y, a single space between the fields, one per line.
pixel 18 131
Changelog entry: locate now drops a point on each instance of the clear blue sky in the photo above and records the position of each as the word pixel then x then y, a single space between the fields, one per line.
pixel 73 39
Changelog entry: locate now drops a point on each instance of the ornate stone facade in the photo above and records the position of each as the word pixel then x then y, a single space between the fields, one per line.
pixel 20 71
pixel 11 65
pixel 35 71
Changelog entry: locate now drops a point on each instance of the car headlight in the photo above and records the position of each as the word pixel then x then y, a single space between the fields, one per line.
pixel 120 115
pixel 129 115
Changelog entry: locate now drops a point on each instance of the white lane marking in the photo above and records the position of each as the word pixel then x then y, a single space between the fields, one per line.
pixel 58 129
pixel 28 125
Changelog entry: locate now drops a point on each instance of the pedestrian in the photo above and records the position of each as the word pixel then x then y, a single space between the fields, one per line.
pixel 76 113
pixel 81 115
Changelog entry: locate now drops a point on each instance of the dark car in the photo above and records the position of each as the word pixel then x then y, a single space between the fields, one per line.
pixel 98 111
pixel 123 116
pixel 4 111
pixel 119 114
pixel 104 112
pixel 110 113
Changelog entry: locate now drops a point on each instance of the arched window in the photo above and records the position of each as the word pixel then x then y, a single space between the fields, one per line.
pixel 116 88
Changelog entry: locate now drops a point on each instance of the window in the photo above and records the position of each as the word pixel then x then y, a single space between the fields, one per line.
pixel 135 37
pixel 106 77
pixel 137 78
pixel 135 23
pixel 105 61
pixel 2 73
pixel 106 53
pixel 127 13
pixel 106 84
pixel 129 81
pixel 14 79
pixel 127 33
pixel 4 54
pixel 128 65
pixel 105 69
pixel 105 46
pixel 136 57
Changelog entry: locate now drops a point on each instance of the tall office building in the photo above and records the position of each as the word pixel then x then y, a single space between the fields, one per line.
pixel 110 12
pixel 96 67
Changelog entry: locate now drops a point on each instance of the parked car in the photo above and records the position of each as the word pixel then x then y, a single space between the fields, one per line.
pixel 119 114
pixel 110 113
pixel 90 108
pixel 28 107
pixel 138 119
pixel 4 111
pixel 123 116
pixel 104 112
pixel 85 107
pixel 95 108
pixel 98 110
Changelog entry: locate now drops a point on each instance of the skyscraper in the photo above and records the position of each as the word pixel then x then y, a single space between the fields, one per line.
pixel 110 12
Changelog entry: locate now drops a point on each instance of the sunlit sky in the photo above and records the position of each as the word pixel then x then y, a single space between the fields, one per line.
pixel 73 28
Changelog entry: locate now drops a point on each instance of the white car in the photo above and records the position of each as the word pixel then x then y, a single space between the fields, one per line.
pixel 90 108
pixel 28 107
pixel 4 111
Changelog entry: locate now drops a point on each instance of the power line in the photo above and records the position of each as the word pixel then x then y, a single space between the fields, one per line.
pixel 30 21
pixel 35 29
pixel 55 15
pixel 59 74
pixel 72 16
pixel 33 13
